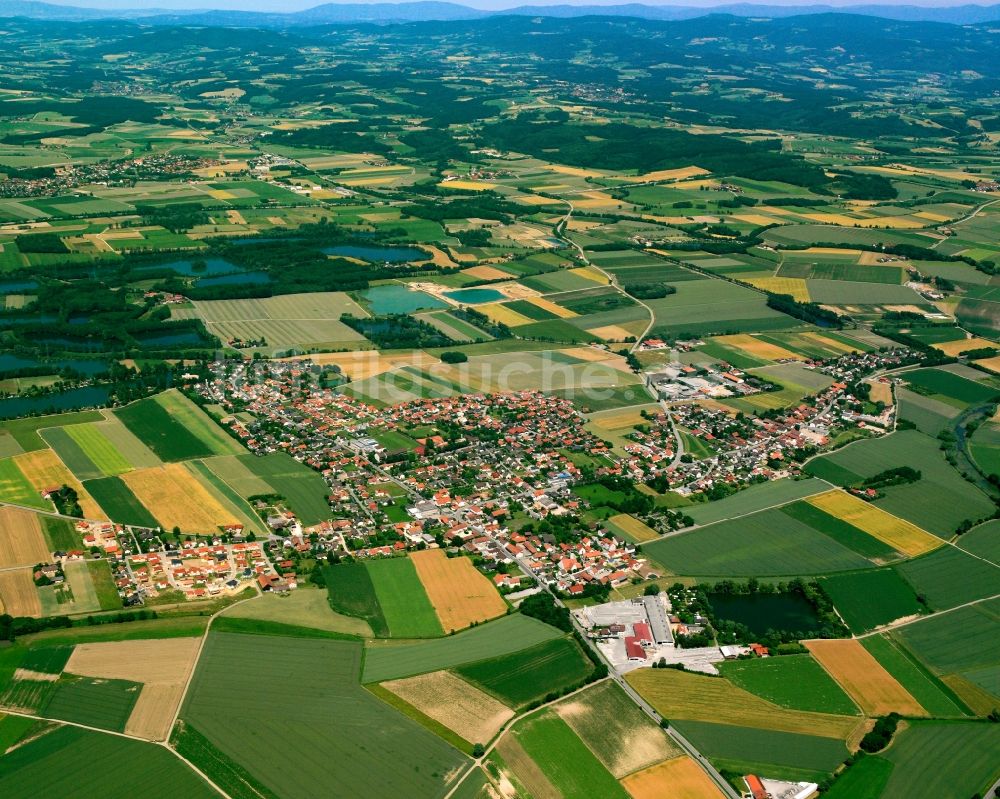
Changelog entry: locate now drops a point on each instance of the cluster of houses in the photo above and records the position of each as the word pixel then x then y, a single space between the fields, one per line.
pixel 201 571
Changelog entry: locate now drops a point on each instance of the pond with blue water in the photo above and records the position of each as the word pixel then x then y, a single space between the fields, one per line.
pixel 392 255
pixel 474 296
pixel 399 299
pixel 86 397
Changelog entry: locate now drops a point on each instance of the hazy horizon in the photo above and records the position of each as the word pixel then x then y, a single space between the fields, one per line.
pixel 291 6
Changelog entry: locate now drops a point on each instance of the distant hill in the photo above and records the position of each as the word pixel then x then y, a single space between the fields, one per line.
pixel 431 10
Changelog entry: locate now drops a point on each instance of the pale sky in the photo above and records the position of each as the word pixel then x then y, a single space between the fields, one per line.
pixel 299 5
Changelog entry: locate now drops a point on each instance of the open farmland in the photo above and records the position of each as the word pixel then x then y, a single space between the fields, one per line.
pixel 950 577
pixel 44 470
pixel 119 503
pixel 162 666
pixel 99 449
pixel 175 429
pixel 389 660
pixel 74 762
pixel 753 749
pixel 351 592
pixel 930 692
pixel 869 599
pixel 16 489
pixel 302 608
pixel 95 702
pixel 567 764
pixel 764 543
pixel 525 676
pixel 631 528
pixel 755 498
pixel 298 321
pixel 458 705
pixel 18 596
pixel 402 598
pixel 176 499
pixel 841 531
pixel 21 539
pixel 302 488
pixel 917 502
pixel 683 695
pixel 459 593
pixel 615 729
pixel 679 776
pixel 875 690
pixel 943 759
pixel 327 718
pixel 796 682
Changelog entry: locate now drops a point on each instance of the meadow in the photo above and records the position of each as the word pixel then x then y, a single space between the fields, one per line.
pixel 72 761
pixel 764 543
pixel 563 759
pixel 755 498
pixel 119 503
pixel 95 702
pixel 401 596
pixel 312 685
pixel 391 660
pixel 303 489
pixel 175 429
pixel 950 577
pixel 869 599
pixel 351 592
pixel 520 678
pixel 796 682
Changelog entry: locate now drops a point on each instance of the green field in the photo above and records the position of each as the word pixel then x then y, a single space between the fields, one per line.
pixel 390 660
pixel 962 640
pixel 949 387
pixel 943 759
pixel 935 698
pixel 15 488
pixel 104 584
pixel 60 534
pixel 100 450
pixel 25 431
pixel 96 703
pixel 74 762
pixel 523 677
pixel 402 598
pixel 761 544
pixel 326 717
pixel 865 779
pixel 570 766
pixel 755 498
pixel 918 502
pixel 948 577
pixel 175 429
pixel 869 599
pixel 840 531
pixel 118 501
pixel 763 747
pixel 351 592
pixel 793 681
pixel 303 489
pixel 72 454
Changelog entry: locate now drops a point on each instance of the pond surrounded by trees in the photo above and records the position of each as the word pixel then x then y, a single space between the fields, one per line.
pixel 760 612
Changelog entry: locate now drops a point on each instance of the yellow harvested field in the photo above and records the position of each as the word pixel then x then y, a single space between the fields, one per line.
pixel 573 170
pixel 17 593
pixel 589 273
pixel 980 701
pixel 834 219
pixel 220 194
pixel 757 348
pixel 634 528
pixel 504 315
pixel 833 344
pixel 459 593
pixel 551 307
pixel 486 273
pixel 162 665
pixel 363 364
pixel 623 418
pixel 874 690
pixel 699 697
pixel 176 499
pixel 993 364
pixel 44 470
pixel 755 219
pixel 833 251
pixel 235 217
pixel 932 217
pixel 961 345
pixel 534 199
pixel 21 539
pixel 467 185
pixel 881 392
pixel 450 700
pixel 678 778
pixel 682 173
pixel 794 286
pixel 901 535
pixel 610 332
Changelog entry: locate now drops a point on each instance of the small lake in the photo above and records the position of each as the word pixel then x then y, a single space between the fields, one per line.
pixel 474 296
pixel 89 396
pixel 212 266
pixel 763 612
pixel 392 255
pixel 242 278
pixel 16 286
pixel 13 321
pixel 13 363
pixel 399 299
